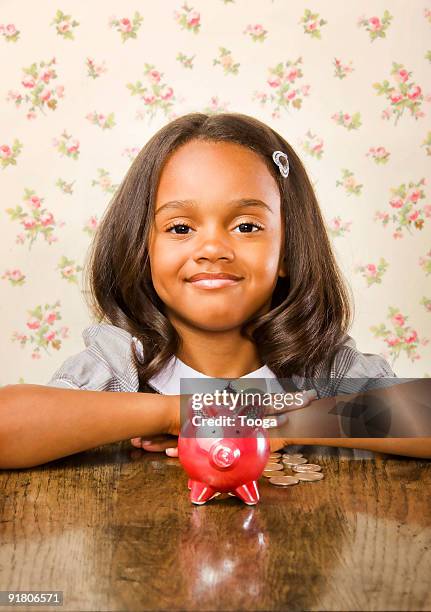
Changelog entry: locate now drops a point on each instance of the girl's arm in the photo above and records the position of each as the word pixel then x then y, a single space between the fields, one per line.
pixel 409 407
pixel 40 423
pixel 409 404
pixel 411 447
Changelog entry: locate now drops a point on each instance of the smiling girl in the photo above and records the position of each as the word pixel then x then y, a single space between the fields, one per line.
pixel 212 260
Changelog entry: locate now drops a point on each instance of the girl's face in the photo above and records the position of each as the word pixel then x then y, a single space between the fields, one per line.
pixel 216 235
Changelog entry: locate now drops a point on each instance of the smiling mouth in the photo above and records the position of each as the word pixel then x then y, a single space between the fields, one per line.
pixel 214 283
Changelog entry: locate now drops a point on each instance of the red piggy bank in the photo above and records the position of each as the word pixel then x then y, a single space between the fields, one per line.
pixel 222 455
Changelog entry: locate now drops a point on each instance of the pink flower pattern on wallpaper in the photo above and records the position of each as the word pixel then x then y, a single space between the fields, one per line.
pixel 256 32
pixel 131 152
pixel 106 122
pixel 403 94
pixel 312 145
pixel 157 95
pixel 226 61
pixel 15 277
pixel 426 302
pixel 69 269
pixel 38 90
pixel 9 32
pixel 379 154
pixel 280 89
pixel 67 146
pixel 373 273
pixel 427 143
pixel 128 28
pixel 349 183
pixel 9 153
pixel 376 26
pixel 425 263
pixel 43 331
pixel 65 186
pixel 188 18
pixel 337 227
pixel 91 226
pixel 185 60
pixel 312 24
pixel 400 337
pixel 350 122
pixel 35 220
pixel 216 106
pixel 65 25
pixel 95 70
pixel 285 91
pixel 406 214
pixel 342 70
pixel 104 181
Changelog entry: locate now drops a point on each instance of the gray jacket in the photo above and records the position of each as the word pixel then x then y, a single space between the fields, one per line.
pixel 106 364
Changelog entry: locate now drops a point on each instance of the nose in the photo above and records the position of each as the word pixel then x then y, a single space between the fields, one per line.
pixel 213 244
pixel 224 454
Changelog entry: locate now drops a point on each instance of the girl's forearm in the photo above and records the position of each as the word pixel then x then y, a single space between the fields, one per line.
pixel 40 423
pixel 411 447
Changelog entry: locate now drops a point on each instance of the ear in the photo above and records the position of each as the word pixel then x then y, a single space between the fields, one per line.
pixel 282 268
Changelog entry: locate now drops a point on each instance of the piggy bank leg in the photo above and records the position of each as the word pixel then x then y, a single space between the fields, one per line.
pixel 200 492
pixel 249 493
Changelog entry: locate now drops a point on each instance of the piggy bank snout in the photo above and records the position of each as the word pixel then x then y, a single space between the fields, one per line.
pixel 224 454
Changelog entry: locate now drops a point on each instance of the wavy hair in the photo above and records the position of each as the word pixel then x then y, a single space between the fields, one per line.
pixel 310 309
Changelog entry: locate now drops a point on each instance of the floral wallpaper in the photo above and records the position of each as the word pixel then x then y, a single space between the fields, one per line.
pixel 84 86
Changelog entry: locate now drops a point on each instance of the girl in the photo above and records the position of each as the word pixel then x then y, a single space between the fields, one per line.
pixel 212 260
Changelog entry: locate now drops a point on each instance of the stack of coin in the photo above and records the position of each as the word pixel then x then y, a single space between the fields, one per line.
pixel 279 464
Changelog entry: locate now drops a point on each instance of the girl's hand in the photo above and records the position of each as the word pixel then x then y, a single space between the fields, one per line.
pixel 165 441
pixel 282 418
pixel 169 442
pixel 158 444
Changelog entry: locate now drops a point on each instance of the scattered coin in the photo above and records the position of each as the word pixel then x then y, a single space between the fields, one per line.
pixel 307 467
pixel 283 481
pixel 303 471
pixel 310 476
pixel 275 455
pixel 273 467
pixel 294 461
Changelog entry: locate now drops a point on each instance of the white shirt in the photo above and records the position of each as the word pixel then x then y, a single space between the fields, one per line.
pixel 177 378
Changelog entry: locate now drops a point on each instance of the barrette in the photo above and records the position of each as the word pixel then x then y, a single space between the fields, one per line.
pixel 284 169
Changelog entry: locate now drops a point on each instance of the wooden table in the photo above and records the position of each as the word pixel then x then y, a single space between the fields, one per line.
pixel 114 529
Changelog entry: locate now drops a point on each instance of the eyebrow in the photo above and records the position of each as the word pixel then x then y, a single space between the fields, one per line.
pixel 241 203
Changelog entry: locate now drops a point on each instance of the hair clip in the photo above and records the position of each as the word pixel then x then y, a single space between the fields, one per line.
pixel 284 169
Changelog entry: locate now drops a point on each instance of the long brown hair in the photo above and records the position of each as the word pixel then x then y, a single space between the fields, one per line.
pixel 310 309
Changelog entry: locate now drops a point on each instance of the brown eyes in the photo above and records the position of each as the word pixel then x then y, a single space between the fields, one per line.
pixel 186 226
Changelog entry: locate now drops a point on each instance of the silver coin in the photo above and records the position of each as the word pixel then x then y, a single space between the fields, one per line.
pixel 294 461
pixel 292 455
pixel 275 455
pixel 307 467
pixel 310 476
pixel 273 467
pixel 283 481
